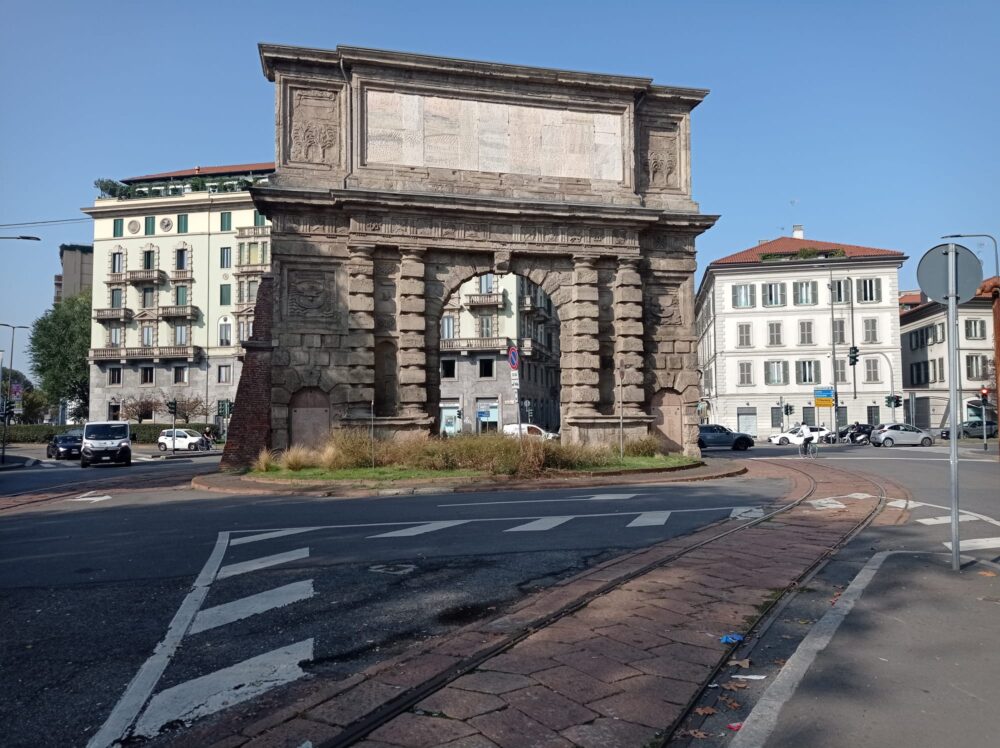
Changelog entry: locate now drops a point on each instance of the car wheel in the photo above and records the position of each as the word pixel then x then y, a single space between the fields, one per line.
pixel 128 461
pixel 84 463
pixel 925 442
pixel 193 447
pixel 743 445
pixel 783 441
pixel 701 444
pixel 48 452
pixel 887 442
pixel 162 447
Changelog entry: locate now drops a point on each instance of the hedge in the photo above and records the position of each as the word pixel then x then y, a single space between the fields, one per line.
pixel 145 433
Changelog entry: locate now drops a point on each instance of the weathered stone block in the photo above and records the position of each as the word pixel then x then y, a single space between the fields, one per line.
pixel 629 327
pixel 359 340
pixel 682 346
pixel 411 269
pixel 628 278
pixel 280 396
pixel 300 357
pixel 413 393
pixel 410 287
pixel 584 276
pixel 412 323
pixel 630 294
pixel 362 284
pixel 360 394
pixel 362 303
pixel 628 343
pixel 584 293
pixel 412 376
pixel 412 358
pixel 412 304
pixel 361 357
pixel 585 327
pixel 361 321
pixel 633 394
pixel 289 340
pixel 628 311
pixel 311 341
pixel 584 377
pixel 321 358
pixel 411 340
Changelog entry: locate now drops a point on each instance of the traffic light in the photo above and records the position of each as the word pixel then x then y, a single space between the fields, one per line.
pixel 890 401
pixel 8 410
pixel 458 414
pixel 172 407
pixel 852 356
pixel 984 396
pixel 897 401
pixel 789 409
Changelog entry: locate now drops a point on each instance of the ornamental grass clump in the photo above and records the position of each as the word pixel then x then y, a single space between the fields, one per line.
pixel 265 461
pixel 298 457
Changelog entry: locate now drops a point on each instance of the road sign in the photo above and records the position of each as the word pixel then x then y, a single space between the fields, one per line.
pixel 932 273
pixel 823 397
pixel 513 358
pixel 515 379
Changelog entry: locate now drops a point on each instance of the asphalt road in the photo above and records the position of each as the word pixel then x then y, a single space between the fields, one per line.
pixel 330 585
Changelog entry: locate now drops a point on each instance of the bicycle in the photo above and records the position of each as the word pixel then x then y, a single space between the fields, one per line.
pixel 808 449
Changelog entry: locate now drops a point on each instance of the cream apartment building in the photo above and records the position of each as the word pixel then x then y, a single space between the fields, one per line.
pixel 777 321
pixel 177 262
pixel 924 330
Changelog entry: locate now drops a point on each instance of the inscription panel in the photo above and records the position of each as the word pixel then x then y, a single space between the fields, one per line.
pixel 434 131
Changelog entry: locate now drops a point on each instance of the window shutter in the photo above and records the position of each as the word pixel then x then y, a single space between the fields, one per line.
pixel 798 372
pixel 878 289
pixel 753 295
pixel 817 376
pixel 736 302
pixel 784 372
pixel 782 299
pixel 814 292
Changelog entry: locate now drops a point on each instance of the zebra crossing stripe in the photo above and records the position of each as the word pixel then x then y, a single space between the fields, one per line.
pixel 220 615
pixel 224 688
pixel 977 544
pixel 270 535
pixel 650 519
pixel 545 523
pixel 946 519
pixel 408 532
pixel 262 563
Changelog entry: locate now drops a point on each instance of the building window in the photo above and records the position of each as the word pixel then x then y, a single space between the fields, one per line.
pixel 486 283
pixel 150 225
pixel 873 415
pixel 869 290
pixel 148 298
pixel 115 337
pixel 805 332
pixel 118 227
pixel 841 291
pixel 744 296
pixel 149 259
pixel 872 370
pixel 840 370
pixel 147 336
pixel 976 367
pixel 804 293
pixel 774 333
pixel 772 294
pixel 117 262
pixel 743 336
pixel 809 415
pixel 225 257
pixel 807 372
pixel 486 326
pixel 180 375
pixel 746 372
pixel 775 372
pixel 975 329
pixel 777 418
pixel 181 259
pixel 870 330
pixel 932 370
pixel 115 376
pixel 182 295
pixel 225 374
pixel 940 370
pixel 225 333
pixel 146 375
pixel 838 331
pixel 182 223
pixel 253 254
pixel 116 298
pixel 225 221
pixel 447 327
pixel 258 219
pixel 252 290
pixel 448 368
pixel 486 368
pixel 914 340
pixel 180 335
pixel 225 294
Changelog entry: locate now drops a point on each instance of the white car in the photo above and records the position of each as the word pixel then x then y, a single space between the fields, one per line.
pixel 180 439
pixel 529 429
pixel 792 437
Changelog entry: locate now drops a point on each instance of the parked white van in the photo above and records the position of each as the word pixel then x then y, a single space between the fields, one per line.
pixel 106 441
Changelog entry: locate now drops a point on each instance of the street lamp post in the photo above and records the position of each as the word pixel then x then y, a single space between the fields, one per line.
pixel 10 379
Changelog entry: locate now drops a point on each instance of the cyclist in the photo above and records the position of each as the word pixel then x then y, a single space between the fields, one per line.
pixel 807 440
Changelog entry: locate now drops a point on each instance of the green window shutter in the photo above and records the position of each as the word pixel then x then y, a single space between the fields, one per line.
pixel 225 221
pixel 258 219
pixel 182 223
pixel 225 294
pixel 182 295
pixel 150 225
pixel 119 227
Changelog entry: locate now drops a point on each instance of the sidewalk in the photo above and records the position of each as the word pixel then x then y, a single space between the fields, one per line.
pixel 612 657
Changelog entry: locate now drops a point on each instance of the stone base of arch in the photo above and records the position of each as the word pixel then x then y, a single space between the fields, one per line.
pixel 601 430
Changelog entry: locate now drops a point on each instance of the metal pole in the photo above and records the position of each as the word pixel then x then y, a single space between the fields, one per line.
pixel 173 430
pixel 833 361
pixel 373 433
pixel 892 382
pixel 953 401
pixel 854 369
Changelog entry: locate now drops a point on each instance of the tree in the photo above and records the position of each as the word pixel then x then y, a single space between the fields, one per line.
pixel 112 188
pixel 139 408
pixel 58 348
pixel 34 406
pixel 188 406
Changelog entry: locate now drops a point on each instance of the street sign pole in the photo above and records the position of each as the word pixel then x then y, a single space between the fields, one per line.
pixel 953 400
pixel 514 360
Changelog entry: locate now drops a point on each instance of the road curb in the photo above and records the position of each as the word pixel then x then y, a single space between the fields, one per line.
pixel 29 462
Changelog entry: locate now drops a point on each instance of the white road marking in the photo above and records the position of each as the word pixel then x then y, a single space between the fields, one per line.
pixel 545 523
pixel 208 694
pixel 905 504
pixel 269 535
pixel 262 563
pixel 746 512
pixel 245 607
pixel 650 519
pixel 90 498
pixel 142 685
pixel 408 532
pixel 827 504
pixel 593 497
pixel 976 544
pixel 946 519
pixel 904 459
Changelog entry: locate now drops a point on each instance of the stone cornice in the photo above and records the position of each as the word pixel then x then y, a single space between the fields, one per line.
pixel 150 206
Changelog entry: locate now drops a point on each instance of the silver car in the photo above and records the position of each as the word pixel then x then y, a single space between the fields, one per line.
pixel 891 434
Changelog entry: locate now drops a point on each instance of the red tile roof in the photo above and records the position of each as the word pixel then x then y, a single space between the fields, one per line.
pixel 203 171
pixel 790 246
pixel 914 297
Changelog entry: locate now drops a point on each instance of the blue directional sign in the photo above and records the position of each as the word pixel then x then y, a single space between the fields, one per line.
pixel 513 357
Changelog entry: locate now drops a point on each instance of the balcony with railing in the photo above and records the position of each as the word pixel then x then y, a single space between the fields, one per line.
pixel 475 344
pixel 182 275
pixel 114 314
pixel 528 305
pixel 145 276
pixel 484 299
pixel 120 353
pixel 252 232
pixel 531 348
pixel 186 311
pixel 250 268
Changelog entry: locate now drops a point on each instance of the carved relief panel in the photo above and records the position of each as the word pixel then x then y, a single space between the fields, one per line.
pixel 660 157
pixel 314 295
pixel 312 127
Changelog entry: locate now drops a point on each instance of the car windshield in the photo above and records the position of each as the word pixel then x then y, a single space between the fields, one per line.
pixel 67 437
pixel 106 431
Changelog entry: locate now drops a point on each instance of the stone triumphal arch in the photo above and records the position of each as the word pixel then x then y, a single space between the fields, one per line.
pixel 400 176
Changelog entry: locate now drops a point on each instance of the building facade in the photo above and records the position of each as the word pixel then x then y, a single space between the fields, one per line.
pixel 178 259
pixel 479 322
pixel 77 261
pixel 926 375
pixel 777 321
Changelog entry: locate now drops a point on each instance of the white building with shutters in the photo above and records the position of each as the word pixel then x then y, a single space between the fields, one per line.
pixel 776 321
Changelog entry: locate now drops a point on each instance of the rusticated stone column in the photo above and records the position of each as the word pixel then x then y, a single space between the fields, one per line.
pixel 412 358
pixel 627 293
pixel 360 340
pixel 583 361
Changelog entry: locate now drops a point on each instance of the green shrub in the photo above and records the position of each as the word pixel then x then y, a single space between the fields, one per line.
pixel 39 433
pixel 648 446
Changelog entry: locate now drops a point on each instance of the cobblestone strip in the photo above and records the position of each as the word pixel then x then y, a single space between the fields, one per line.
pixel 617 671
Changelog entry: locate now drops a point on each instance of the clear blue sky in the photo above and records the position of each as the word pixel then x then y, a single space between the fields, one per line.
pixel 870 122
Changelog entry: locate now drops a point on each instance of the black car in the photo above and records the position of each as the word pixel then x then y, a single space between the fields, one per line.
pixel 857 433
pixel 63 446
